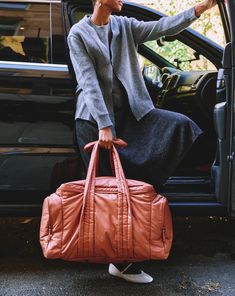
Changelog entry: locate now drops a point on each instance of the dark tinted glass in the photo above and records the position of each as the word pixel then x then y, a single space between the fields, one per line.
pixel 24 32
pixel 58 41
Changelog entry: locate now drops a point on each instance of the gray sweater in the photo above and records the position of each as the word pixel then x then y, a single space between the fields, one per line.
pixel 94 68
pixel 105 36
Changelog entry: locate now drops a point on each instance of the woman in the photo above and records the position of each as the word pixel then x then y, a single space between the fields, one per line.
pixel 112 99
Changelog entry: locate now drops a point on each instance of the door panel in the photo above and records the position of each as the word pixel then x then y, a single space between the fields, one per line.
pixel 37 104
pixel 36 129
pixel 230 13
pixel 227 9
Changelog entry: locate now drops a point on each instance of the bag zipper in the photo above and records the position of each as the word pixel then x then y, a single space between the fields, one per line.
pixel 50 231
pixel 163 234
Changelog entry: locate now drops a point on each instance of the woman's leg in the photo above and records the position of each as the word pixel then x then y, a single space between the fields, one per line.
pixel 156 144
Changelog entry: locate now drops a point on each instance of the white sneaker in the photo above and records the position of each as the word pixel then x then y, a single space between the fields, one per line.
pixel 141 278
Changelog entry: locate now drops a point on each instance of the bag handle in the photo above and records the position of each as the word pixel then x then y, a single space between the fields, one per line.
pixel 87 218
pixel 116 141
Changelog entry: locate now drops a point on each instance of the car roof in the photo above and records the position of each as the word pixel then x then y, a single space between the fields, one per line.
pixel 31 1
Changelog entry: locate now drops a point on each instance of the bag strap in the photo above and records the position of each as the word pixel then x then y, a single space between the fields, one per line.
pixel 116 141
pixel 87 219
pixel 125 214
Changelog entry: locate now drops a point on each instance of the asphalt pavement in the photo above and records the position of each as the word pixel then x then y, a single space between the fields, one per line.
pixel 202 262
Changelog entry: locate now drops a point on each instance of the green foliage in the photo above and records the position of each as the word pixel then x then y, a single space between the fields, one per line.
pixel 173 50
pixel 209 24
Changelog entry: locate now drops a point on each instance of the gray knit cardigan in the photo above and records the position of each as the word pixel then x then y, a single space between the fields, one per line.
pixel 94 68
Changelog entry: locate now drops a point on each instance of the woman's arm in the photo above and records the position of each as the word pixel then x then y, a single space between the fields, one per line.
pixel 87 79
pixel 169 25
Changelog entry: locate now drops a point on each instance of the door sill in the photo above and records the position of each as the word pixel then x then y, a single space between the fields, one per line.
pixel 188 188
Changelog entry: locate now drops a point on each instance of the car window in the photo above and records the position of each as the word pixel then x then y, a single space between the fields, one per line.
pixel 58 42
pixel 209 24
pixel 180 55
pixel 24 32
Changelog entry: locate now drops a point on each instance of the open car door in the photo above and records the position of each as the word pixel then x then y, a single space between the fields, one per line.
pixel 230 9
pixel 205 191
pixel 226 78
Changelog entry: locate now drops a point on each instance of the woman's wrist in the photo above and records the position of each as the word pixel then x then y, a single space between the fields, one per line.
pixel 203 6
pixel 200 8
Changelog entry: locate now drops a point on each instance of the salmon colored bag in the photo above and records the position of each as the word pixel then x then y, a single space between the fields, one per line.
pixel 107 218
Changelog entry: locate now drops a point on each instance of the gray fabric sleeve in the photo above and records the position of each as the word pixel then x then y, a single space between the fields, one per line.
pixel 168 25
pixel 87 79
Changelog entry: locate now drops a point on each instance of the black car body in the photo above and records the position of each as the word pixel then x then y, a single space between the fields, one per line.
pixel 38 149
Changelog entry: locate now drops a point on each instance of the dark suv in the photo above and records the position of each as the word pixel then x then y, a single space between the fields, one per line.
pixel 38 149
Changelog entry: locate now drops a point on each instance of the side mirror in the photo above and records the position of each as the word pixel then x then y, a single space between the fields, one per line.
pixel 196 55
pixel 162 40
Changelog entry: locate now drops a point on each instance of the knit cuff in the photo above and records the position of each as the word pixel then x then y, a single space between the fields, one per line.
pixel 104 121
pixel 191 14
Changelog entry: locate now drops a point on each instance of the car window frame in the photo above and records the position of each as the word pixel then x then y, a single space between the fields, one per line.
pixel 50 10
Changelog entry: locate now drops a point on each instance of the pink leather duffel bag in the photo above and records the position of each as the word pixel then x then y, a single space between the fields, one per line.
pixel 107 218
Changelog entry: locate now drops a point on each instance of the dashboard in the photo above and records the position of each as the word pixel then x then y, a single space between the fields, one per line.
pixel 192 93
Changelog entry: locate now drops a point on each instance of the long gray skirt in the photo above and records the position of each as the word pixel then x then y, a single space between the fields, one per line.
pixel 156 144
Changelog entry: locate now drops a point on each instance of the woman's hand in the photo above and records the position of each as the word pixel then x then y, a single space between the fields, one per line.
pixel 203 6
pixel 210 3
pixel 105 137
